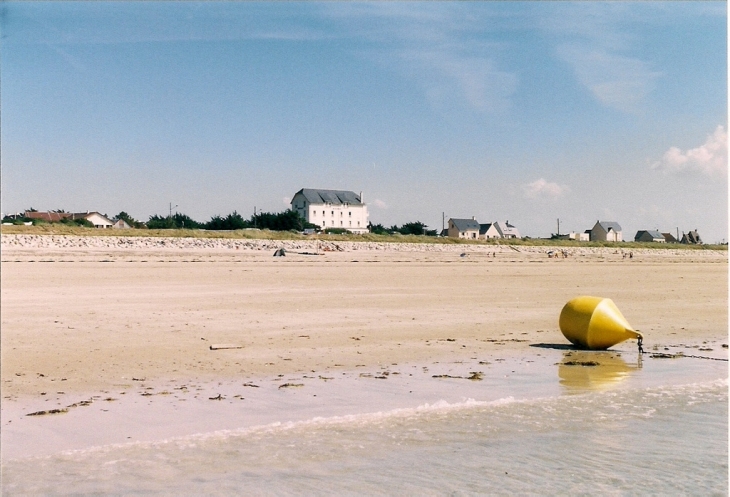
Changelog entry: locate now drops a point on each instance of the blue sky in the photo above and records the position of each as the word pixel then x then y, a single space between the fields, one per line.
pixel 519 111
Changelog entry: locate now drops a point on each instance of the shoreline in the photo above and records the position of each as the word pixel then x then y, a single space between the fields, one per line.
pixel 155 414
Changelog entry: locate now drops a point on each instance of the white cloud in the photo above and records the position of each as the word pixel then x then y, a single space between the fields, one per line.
pixel 445 72
pixel 379 204
pixel 616 81
pixel 438 46
pixel 542 188
pixel 605 54
pixel 710 158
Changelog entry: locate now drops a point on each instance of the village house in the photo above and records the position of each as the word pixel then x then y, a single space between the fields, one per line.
pixel 649 236
pixel 488 231
pixel 470 229
pixel 691 238
pixel 506 230
pixel 332 209
pixel 49 216
pixel 606 231
pixel 580 237
pixel 120 224
pixel 98 220
pixel 464 228
pixel 669 238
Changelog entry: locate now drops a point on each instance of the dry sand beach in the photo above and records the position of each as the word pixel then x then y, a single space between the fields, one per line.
pixel 92 319
pixel 96 312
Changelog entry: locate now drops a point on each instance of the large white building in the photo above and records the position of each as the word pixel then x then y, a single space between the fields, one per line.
pixel 332 209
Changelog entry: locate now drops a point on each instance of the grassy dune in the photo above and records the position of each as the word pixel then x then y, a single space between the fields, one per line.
pixel 254 234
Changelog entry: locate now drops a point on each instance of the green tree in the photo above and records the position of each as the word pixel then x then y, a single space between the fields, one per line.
pixel 283 221
pixel 233 221
pixel 176 221
pixel 415 228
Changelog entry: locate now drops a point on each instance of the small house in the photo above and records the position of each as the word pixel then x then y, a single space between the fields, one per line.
pixel 580 237
pixel 506 230
pixel 464 228
pixel 49 216
pixel 606 231
pixel 120 224
pixel 691 238
pixel 98 220
pixel 488 231
pixel 649 236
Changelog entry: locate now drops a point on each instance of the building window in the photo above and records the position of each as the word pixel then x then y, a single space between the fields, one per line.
pixel 333 213
pixel 349 213
pixel 350 223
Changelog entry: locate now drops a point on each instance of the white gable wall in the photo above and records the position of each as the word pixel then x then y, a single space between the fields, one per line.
pixel 491 233
pixel 600 235
pixel 98 220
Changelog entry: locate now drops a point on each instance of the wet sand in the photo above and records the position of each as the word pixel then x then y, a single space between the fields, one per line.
pixel 97 322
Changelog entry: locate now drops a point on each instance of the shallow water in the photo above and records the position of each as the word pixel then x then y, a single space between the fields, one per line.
pixel 544 429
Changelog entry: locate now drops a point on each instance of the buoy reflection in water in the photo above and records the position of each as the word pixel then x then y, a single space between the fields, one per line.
pixel 581 371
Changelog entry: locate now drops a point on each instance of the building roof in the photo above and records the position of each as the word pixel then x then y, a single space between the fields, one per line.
pixel 691 237
pixel 652 233
pixel 314 196
pixel 606 225
pixel 465 224
pixel 47 216
pixel 669 237
pixel 483 228
pixel 86 215
pixel 507 229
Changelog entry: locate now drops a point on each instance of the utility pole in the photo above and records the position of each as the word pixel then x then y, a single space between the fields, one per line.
pixel 254 216
pixel 558 226
pixel 170 216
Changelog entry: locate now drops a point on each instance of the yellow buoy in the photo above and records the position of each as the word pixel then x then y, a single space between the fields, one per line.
pixel 595 323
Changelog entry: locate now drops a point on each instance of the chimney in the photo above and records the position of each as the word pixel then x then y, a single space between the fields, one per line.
pixel 361 198
pixel 473 218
